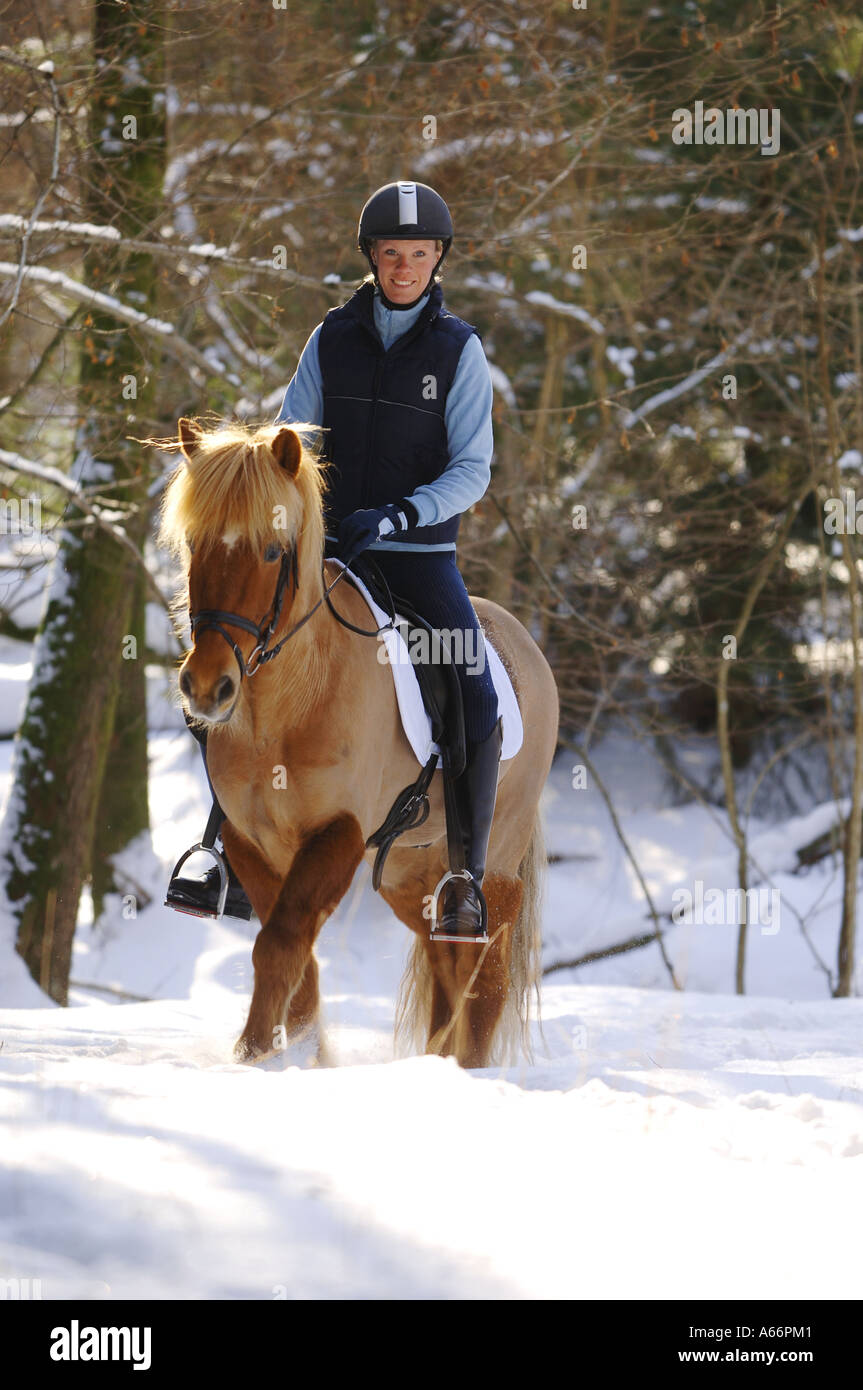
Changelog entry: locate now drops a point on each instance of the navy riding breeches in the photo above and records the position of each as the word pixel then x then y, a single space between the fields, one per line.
pixel 431 583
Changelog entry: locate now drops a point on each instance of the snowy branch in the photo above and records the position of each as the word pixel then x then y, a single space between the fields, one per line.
pixel 672 393
pixel 846 235
pixel 558 306
pixel 682 387
pixel 93 511
pixel 208 253
pixel 45 70
pixel 163 332
pixel 502 384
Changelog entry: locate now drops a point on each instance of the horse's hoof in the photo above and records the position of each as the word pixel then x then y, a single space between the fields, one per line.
pixel 305 1048
pixel 248 1051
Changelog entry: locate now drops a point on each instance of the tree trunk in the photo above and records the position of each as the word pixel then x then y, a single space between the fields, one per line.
pixel 123 810
pixel 64 741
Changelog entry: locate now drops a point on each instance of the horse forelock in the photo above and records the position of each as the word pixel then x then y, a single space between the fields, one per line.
pixel 233 490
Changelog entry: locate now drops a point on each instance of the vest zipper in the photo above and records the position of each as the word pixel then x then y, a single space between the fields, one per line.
pixel 421 324
pixel 376 386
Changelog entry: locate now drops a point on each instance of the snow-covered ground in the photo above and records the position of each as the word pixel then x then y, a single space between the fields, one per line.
pixel 662 1144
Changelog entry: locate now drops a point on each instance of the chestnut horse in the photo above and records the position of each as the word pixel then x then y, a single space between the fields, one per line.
pixel 306 753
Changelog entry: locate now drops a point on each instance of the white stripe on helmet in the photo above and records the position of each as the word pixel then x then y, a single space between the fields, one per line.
pixel 408 204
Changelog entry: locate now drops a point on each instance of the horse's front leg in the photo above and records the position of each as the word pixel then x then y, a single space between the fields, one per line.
pixel 285 990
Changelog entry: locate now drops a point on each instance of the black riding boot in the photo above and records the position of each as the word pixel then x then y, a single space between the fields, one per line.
pixel 200 896
pixel 462 915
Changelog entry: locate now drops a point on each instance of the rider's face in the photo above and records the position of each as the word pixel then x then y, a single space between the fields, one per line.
pixel 404 268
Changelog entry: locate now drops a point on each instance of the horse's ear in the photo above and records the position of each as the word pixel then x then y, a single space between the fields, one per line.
pixel 287 451
pixel 187 435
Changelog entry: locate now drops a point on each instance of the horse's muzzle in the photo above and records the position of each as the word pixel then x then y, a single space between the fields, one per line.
pixel 212 701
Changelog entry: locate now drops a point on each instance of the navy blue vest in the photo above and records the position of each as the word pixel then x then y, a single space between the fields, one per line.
pixel 384 411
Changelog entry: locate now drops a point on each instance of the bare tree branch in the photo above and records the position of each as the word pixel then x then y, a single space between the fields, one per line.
pixel 95 513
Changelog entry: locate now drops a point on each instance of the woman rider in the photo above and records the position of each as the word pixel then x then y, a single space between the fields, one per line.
pixel 404 393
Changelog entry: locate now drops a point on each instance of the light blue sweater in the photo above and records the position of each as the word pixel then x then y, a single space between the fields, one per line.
pixel 467 418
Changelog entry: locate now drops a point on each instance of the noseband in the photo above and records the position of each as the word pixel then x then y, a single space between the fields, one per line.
pixel 262 631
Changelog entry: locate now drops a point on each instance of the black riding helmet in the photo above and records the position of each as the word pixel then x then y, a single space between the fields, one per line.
pixel 404 211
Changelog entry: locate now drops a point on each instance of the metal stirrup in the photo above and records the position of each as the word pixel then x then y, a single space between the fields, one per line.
pixel 438 933
pixel 223 874
pixel 215 820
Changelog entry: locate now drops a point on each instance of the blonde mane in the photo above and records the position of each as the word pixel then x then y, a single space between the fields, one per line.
pixel 233 488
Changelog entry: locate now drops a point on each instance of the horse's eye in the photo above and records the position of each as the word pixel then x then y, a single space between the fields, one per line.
pixel 272 553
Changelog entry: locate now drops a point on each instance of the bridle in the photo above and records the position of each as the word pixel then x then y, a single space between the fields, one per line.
pixel 289 572
pixel 262 631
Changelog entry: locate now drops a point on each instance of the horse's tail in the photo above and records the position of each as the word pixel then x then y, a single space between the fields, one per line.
pixel 512 1035
pixel 525 971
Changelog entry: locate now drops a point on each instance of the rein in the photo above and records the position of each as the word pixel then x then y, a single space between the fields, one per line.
pixel 262 653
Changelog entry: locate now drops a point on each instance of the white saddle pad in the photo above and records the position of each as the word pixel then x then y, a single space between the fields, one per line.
pixel 415 720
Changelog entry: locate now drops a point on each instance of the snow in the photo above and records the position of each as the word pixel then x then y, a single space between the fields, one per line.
pixel 502 384
pixel 17 671
pixel 652 156
pixel 830 254
pixel 146 1164
pixel 465 146
pixel 559 306
pixel 622 358
pixel 687 383
pixel 662 1144
pixel 208 249
pixel 727 206
pixel 77 290
pixel 44 473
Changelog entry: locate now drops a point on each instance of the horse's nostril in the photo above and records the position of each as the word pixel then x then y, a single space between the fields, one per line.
pixel 186 684
pixel 224 690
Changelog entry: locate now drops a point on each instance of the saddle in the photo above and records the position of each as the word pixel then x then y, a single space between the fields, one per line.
pixel 442 698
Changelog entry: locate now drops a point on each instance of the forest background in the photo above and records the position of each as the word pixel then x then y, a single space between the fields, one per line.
pixel 673 329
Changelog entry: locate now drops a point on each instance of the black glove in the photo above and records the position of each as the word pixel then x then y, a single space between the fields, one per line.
pixel 359 530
